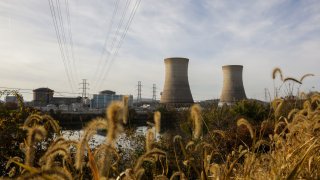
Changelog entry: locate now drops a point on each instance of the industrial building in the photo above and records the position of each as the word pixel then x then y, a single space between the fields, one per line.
pixel 11 99
pixel 233 89
pixel 65 100
pixel 104 98
pixel 42 96
pixel 176 91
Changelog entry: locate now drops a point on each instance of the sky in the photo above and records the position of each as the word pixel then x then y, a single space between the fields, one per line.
pixel 115 53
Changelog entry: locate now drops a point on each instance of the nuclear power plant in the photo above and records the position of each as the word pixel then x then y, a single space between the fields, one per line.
pixel 176 89
pixel 233 89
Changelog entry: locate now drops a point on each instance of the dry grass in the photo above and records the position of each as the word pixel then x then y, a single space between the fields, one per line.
pixel 197 120
pixel 293 150
pixel 275 72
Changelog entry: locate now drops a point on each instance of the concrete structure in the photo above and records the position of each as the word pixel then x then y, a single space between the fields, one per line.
pixel 11 99
pixel 107 92
pixel 233 89
pixel 42 96
pixel 63 107
pixel 176 89
pixel 104 98
pixel 65 100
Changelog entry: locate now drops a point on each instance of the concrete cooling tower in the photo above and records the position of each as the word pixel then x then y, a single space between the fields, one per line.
pixel 176 89
pixel 233 89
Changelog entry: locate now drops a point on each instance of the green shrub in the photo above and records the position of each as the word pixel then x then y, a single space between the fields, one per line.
pixel 253 110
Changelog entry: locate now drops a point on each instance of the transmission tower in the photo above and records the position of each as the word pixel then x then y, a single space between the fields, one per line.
pixel 154 92
pixel 84 88
pixel 139 99
pixel 266 95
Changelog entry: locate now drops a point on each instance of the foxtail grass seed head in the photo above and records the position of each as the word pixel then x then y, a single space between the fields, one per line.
pixel 53 173
pixel 32 120
pixel 52 123
pixel 114 114
pixel 189 144
pixel 305 76
pixel 176 138
pixel 125 109
pixel 90 130
pixel 50 159
pixel 291 79
pixel 245 123
pixel 35 134
pixel 149 140
pixel 157 121
pixel 277 106
pixel 197 121
pixel 275 72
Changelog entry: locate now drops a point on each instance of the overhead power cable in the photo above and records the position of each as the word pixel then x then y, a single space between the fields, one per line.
pixel 103 50
pixel 71 41
pixel 114 39
pixel 132 14
pixel 55 23
pixel 64 38
pixel 26 89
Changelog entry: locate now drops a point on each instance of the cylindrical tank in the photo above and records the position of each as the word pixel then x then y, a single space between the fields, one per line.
pixel 42 96
pixel 233 89
pixel 176 86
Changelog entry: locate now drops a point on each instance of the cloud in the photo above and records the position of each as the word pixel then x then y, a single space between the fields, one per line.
pixel 257 34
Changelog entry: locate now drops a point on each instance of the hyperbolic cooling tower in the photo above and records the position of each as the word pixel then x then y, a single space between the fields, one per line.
pixel 233 89
pixel 176 86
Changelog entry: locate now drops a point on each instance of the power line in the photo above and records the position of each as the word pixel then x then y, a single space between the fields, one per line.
pixel 71 40
pixel 132 14
pixel 115 12
pixel 65 44
pixel 114 39
pixel 65 39
pixel 25 89
pixel 55 23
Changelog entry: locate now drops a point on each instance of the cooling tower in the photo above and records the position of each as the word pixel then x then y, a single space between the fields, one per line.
pixel 176 89
pixel 233 89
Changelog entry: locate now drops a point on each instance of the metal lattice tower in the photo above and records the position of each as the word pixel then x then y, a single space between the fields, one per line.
pixel 154 92
pixel 267 95
pixel 139 98
pixel 84 88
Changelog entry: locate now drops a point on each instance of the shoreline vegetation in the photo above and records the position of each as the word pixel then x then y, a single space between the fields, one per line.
pixel 248 140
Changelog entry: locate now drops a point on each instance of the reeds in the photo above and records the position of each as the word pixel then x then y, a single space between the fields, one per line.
pixel 35 134
pixel 91 129
pixel 125 102
pixel 293 149
pixel 197 120
pixel 150 136
pixel 305 76
pixel 114 115
pixel 157 121
pixel 275 72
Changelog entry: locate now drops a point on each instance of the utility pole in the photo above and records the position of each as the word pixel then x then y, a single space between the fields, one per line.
pixel 154 92
pixel 139 99
pixel 84 88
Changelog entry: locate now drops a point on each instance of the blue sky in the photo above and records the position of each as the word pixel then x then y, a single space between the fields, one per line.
pixel 260 35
